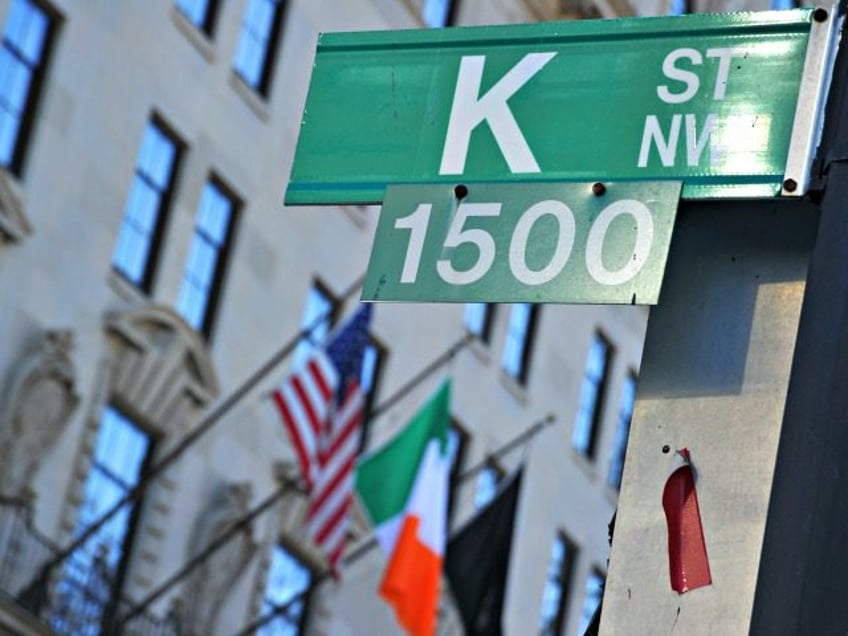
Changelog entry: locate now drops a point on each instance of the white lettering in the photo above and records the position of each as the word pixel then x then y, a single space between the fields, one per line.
pixel 479 237
pixel 416 222
pixel 725 56
pixel 695 148
pixel 641 250
pixel 521 239
pixel 672 72
pixel 667 148
pixel 469 111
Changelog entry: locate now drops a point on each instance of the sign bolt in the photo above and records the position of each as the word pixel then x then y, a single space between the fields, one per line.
pixel 460 191
pixel 599 189
pixel 790 185
pixel 820 15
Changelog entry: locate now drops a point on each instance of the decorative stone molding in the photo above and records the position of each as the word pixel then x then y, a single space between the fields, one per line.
pixel 161 368
pixel 211 581
pixel 14 224
pixel 39 400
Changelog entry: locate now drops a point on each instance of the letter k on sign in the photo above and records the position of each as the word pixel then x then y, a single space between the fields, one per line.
pixel 469 110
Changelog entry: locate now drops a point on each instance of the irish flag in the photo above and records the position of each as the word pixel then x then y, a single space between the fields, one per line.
pixel 404 487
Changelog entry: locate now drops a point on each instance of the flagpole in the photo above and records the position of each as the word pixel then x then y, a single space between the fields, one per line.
pixel 30 596
pixel 421 375
pixel 519 440
pixel 239 526
pixel 220 541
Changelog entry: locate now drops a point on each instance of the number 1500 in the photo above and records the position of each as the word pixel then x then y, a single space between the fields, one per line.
pixel 457 235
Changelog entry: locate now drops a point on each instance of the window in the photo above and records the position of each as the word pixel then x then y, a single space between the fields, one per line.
pixel 519 337
pixel 487 483
pixel 27 38
pixel 555 594
pixel 457 443
pixel 591 397
pixel 628 399
pixel 287 594
pixel 439 13
pixel 372 368
pixel 257 43
pixel 679 7
pixel 146 208
pixel 201 13
pixel 591 598
pixel 207 257
pixel 478 320
pixel 93 575
pixel 319 316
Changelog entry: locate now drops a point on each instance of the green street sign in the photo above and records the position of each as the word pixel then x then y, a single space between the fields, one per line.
pixel 707 99
pixel 541 242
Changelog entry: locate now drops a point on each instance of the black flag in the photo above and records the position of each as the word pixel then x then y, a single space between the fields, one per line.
pixel 477 560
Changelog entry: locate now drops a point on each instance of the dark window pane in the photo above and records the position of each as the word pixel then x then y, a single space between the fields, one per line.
pixel 370 361
pixel 591 599
pixel 439 13
pixel 591 397
pixel 516 353
pixel 22 63
pixel 286 594
pixel 145 209
pixel 91 576
pixel 118 456
pixel 257 41
pixel 201 13
pixel 487 483
pixel 679 7
pixel 619 446
pixel 478 320
pixel 555 593
pixel 142 206
pixel 319 315
pixel 372 367
pixel 156 158
pixel 206 263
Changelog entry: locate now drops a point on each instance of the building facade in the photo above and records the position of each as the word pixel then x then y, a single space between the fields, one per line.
pixel 155 290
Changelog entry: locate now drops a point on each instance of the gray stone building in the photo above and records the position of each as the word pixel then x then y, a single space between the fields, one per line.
pixel 154 287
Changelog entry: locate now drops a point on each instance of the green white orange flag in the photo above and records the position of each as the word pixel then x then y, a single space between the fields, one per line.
pixel 404 487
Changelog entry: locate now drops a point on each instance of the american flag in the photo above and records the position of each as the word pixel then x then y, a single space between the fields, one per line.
pixel 322 409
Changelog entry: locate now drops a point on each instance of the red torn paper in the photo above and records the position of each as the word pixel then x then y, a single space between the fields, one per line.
pixel 687 552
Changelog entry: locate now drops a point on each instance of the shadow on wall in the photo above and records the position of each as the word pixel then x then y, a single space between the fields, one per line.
pixel 721 254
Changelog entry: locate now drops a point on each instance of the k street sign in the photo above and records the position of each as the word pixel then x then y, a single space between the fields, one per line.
pixel 542 242
pixel 706 99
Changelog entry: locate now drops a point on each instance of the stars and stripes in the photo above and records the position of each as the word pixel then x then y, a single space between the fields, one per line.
pixel 322 409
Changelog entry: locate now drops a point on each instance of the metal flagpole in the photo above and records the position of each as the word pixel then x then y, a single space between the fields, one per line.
pixel 361 550
pixel 241 525
pixel 33 594
pixel 438 362
pixel 425 372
